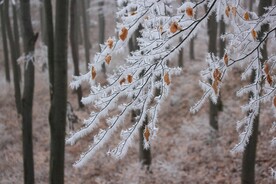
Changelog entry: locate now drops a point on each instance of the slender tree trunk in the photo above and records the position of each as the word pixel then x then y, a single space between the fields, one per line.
pixel 43 22
pixel 50 35
pixel 15 67
pixel 85 33
pixel 181 58
pixel 221 54
pixel 212 48
pixel 249 154
pixel 192 52
pixel 16 36
pixel 5 44
pixel 74 44
pixel 101 23
pixel 16 31
pixel 60 94
pixel 29 39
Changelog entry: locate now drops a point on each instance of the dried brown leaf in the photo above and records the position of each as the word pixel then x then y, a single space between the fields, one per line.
pixel 246 16
pixel 226 59
pixel 110 43
pixel 227 11
pixel 123 34
pixel 107 59
pixel 269 79
pixel 190 11
pixel 174 27
pixel 122 81
pixel 167 78
pixel 254 34
pixel 146 133
pixel 93 72
pixel 129 78
pixel 266 68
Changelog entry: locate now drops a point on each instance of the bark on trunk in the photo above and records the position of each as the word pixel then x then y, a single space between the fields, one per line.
pixel 74 45
pixel 60 94
pixel 192 52
pixel 50 41
pixel 85 33
pixel 16 31
pixel 15 67
pixel 29 39
pixel 5 44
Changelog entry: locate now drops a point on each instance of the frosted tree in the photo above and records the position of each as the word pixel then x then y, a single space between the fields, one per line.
pixel 165 31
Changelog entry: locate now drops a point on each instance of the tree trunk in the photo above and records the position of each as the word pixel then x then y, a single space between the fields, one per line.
pixel 5 44
pixel 192 52
pixel 29 39
pixel 50 40
pixel 15 66
pixel 43 22
pixel 212 48
pixel 101 23
pixel 16 31
pixel 249 154
pixel 221 54
pixel 181 58
pixel 74 44
pixel 16 37
pixel 60 94
pixel 85 33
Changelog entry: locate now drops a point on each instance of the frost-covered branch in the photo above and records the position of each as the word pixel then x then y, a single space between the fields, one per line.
pixel 164 33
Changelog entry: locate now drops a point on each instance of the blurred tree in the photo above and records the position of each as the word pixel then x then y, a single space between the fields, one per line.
pixel 16 32
pixel 85 32
pixel 5 44
pixel 58 110
pixel 212 48
pixel 29 39
pixel 74 44
pixel 15 67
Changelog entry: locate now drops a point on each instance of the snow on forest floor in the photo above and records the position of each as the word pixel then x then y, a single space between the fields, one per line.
pixel 185 150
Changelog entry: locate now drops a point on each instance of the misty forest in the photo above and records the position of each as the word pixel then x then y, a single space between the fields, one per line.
pixel 138 91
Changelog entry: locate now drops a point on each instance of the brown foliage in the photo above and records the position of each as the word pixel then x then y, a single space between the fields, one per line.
pixel 147 133
pixel 190 11
pixel 226 59
pixel 93 72
pixel 110 43
pixel 107 59
pixel 174 27
pixel 227 11
pixel 123 34
pixel 269 79
pixel 167 78
pixel 246 16
pixel 254 34
pixel 122 81
pixel 129 78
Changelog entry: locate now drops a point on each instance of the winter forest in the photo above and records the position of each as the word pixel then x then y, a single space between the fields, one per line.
pixel 138 91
